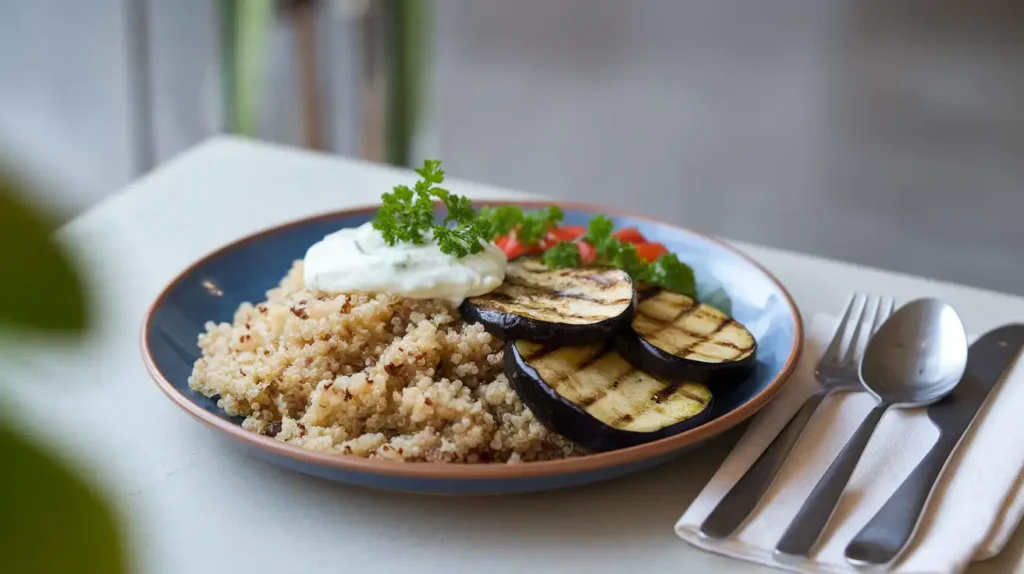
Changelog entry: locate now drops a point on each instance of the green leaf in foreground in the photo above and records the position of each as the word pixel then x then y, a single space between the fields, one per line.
pixel 53 522
pixel 40 288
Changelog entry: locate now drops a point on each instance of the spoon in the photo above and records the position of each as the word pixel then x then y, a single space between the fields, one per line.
pixel 917 357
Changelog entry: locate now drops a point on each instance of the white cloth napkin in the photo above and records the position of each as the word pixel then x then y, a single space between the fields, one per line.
pixel 971 516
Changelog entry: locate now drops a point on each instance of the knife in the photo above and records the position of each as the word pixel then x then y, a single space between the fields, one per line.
pixel 884 538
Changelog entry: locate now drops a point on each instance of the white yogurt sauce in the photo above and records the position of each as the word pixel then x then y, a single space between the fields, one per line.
pixel 355 260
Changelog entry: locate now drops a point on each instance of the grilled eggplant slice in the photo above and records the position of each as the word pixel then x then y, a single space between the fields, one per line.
pixel 570 305
pixel 591 395
pixel 677 338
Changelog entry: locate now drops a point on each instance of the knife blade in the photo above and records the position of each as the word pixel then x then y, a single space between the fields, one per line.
pixel 887 534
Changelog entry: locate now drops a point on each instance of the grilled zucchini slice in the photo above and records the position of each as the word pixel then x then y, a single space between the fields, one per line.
pixel 570 305
pixel 594 397
pixel 677 338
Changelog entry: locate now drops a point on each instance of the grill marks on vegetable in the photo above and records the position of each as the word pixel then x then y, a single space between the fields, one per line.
pixel 679 325
pixel 601 369
pixel 578 296
pixel 608 388
pixel 567 306
pixel 536 307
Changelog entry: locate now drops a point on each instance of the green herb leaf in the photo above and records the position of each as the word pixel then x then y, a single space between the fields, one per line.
pixel 668 272
pixel 536 224
pixel 600 229
pixel 482 229
pixel 629 261
pixel 503 219
pixel 40 288
pixel 460 209
pixel 401 218
pixel 530 227
pixel 599 234
pixel 562 254
pixel 452 242
pixel 407 215
pixel 57 523
pixel 431 171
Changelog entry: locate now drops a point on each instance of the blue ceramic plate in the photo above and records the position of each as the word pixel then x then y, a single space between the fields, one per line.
pixel 213 288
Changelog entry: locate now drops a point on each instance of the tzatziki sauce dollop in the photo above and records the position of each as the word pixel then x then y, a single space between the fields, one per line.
pixel 358 260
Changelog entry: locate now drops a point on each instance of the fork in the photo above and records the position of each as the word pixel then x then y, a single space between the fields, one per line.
pixel 837 372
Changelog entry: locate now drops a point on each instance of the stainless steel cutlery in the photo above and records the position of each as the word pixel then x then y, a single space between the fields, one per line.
pixel 837 372
pixel 915 359
pixel 888 533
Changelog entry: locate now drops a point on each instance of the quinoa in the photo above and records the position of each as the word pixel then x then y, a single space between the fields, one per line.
pixel 373 376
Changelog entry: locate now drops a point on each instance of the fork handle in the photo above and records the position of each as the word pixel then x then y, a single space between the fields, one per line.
pixel 737 505
pixel 810 522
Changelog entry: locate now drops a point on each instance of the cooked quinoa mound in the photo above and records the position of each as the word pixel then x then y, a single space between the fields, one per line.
pixel 370 376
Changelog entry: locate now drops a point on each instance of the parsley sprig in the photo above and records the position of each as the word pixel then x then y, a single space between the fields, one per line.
pixel 666 271
pixel 407 215
pixel 562 254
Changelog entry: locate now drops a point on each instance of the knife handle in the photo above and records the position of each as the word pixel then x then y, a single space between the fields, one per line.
pixel 883 539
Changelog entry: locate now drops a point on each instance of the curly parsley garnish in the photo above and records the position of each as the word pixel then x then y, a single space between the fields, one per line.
pixel 407 215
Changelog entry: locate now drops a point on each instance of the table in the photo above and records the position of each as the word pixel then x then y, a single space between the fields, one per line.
pixel 193 503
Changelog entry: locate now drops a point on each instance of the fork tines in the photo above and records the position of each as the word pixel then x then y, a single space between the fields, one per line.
pixel 865 314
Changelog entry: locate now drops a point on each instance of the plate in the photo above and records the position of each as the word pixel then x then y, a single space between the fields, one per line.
pixel 213 287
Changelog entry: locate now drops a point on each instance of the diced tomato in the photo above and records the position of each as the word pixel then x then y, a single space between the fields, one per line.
pixel 564 233
pixel 587 252
pixel 569 232
pixel 513 248
pixel 630 235
pixel 650 251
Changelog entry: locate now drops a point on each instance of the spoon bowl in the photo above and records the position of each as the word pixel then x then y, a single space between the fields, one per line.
pixel 918 356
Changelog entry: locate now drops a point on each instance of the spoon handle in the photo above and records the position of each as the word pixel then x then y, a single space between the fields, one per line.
pixel 805 530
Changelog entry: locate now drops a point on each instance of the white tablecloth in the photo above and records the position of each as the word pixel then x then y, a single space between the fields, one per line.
pixel 193 503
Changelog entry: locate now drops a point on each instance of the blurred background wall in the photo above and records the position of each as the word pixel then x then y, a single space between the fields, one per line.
pixel 884 133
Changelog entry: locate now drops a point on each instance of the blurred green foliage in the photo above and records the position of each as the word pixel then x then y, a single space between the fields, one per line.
pixel 410 22
pixel 40 289
pixel 53 522
pixel 245 26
